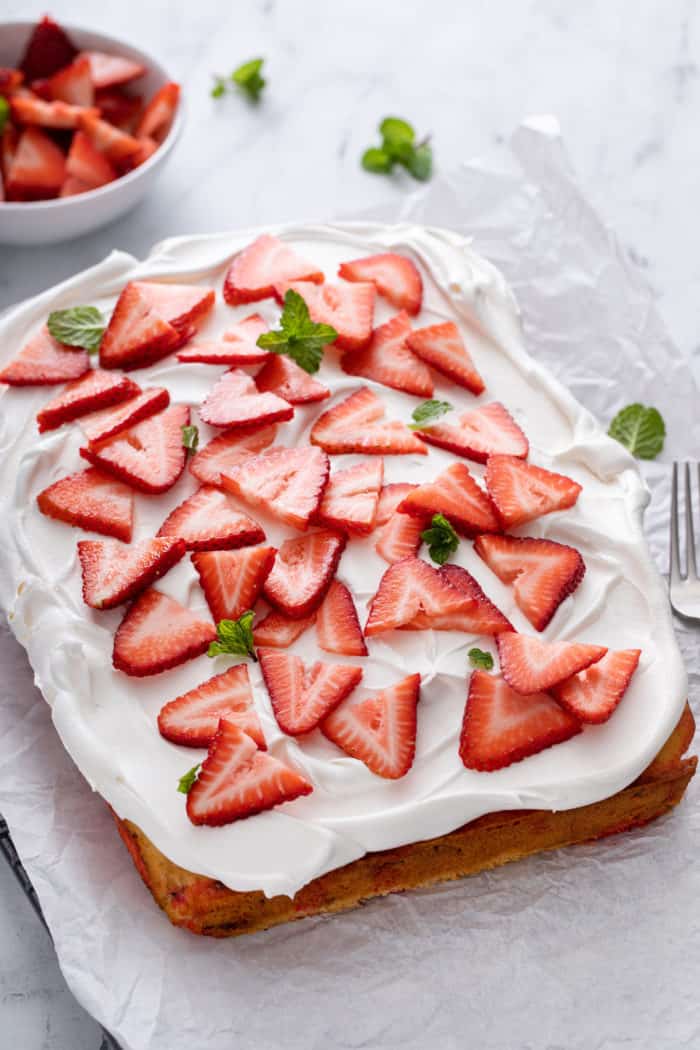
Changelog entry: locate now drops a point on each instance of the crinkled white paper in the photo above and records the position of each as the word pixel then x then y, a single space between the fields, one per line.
pixel 592 948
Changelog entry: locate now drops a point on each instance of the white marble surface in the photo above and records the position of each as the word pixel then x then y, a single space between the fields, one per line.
pixel 622 78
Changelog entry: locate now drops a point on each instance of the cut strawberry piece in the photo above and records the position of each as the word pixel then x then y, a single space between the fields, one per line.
pixel 118 108
pixel 184 306
pixel 238 346
pixel 226 451
pixel 254 272
pixel 351 497
pixel 87 163
pixel 50 114
pixel 349 308
pixel 237 780
pixel 93 390
pixel 543 573
pixel 303 571
pixel 456 495
pixel 114 573
pixel 388 360
pixel 48 50
pixel 394 276
pixel 441 347
pixel 72 186
pixel 235 401
pixel 301 696
pixel 485 431
pixel 159 113
pixel 148 456
pixel 379 730
pixel 146 150
pixel 531 665
pixel 501 726
pixel 43 360
pixel 210 521
pixel 284 377
pixel 280 631
pixel 522 492
pixel 357 424
pixel 398 535
pixel 116 145
pixel 110 70
pixel 593 694
pixel 158 633
pixel 337 625
pixel 92 501
pixel 73 83
pixel 109 421
pixel 286 482
pixel 232 580
pixel 192 719
pixel 37 169
pixel 136 335
pixel 10 80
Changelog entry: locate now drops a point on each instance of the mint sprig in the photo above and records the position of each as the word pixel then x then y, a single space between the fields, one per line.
pixel 77 326
pixel 399 146
pixel 298 336
pixel 428 413
pixel 247 77
pixel 4 113
pixel 480 659
pixel 186 781
pixel 640 429
pixel 234 637
pixel 190 438
pixel 441 538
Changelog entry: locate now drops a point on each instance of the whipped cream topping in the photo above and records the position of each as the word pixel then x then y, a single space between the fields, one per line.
pixel 107 721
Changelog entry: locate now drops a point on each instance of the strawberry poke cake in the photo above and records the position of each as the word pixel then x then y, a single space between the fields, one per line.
pixel 332 589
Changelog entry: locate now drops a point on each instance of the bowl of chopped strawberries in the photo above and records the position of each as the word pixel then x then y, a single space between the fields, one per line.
pixel 86 124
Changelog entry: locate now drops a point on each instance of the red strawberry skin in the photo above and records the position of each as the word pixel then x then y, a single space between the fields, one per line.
pixel 441 347
pixel 136 335
pixel 388 360
pixel 192 720
pixel 455 494
pixel 278 631
pixel 282 376
pixel 91 500
pixel 351 497
pixel 303 571
pixel 227 450
pixel 485 431
pixel 255 271
pixel 44 361
pixel 233 580
pixel 158 633
pixel 593 694
pixel 94 390
pixel 301 697
pixel 150 456
pixel 48 50
pixel 110 576
pixel 286 482
pixel 522 491
pixel 530 665
pixel 357 424
pixel 98 426
pixel 235 401
pixel 395 277
pixel 209 520
pixel 397 535
pixel 348 308
pixel 337 625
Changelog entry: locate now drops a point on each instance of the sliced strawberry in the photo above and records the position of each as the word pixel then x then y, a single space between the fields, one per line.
pixel 379 730
pixel 159 113
pixel 238 346
pixel 158 633
pixel 119 108
pixel 480 433
pixel 235 401
pixel 531 665
pixel 302 696
pixel 114 573
pixel 50 114
pixel 227 450
pixel 43 360
pixel 441 347
pixel 73 83
pixel 136 335
pixel 501 726
pixel 455 494
pixel 337 626
pixel 184 306
pixel 92 501
pixel 232 580
pixel 593 694
pixel 280 631
pixel 37 169
pixel 72 186
pixel 394 276
pixel 284 377
pixel 357 424
pixel 93 390
pixel 87 163
pixel 286 482
pixel 256 270
pixel 543 573
pixel 10 80
pixel 303 571
pixel 522 492
pixel 148 456
pixel 237 780
pixel 388 360
pixel 48 50
pixel 349 308
pixel 210 521
pixel 116 145
pixel 192 719
pixel 110 70
pixel 351 497
pixel 109 421
pixel 398 535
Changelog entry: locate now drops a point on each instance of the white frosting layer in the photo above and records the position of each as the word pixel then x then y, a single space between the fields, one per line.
pixel 107 721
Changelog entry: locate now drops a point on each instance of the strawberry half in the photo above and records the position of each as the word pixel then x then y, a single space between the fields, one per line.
pixel 119 108
pixel 109 421
pixel 114 573
pixel 136 335
pixel 235 401
pixel 93 390
pixel 357 424
pixel 209 521
pixel 522 492
pixel 301 696
pixel 226 451
pixel 337 626
pixel 49 114
pixel 192 719
pixel 349 308
pixel 48 50
pixel 117 146
pixel 232 580
pixel 455 494
pixel 159 113
pixel 501 726
pixel 351 497
pixel 398 535
pixel 72 187
pixel 388 360
pixel 286 482
pixel 92 501
pixel 485 431
pixel 543 573
pixel 284 377
pixel 280 631
pixel 238 346
pixel 441 347
pixel 237 780
pixel 184 306
pixel 593 694
pixel 110 70
pixel 87 164
pixel 394 276
pixel 43 360
pixel 254 272
pixel 149 456
pixel 73 83
pixel 530 665
pixel 158 633
pixel 37 168
pixel 379 730
pixel 303 571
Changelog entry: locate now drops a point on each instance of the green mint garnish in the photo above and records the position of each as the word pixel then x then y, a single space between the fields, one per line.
pixel 248 78
pixel 481 659
pixel 190 438
pixel 298 336
pixel 219 87
pixel 428 413
pixel 399 146
pixel 78 326
pixel 4 113
pixel 441 538
pixel 639 429
pixel 234 636
pixel 186 781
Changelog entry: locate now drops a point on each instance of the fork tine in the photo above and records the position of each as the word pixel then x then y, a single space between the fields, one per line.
pixel 674 568
pixel 691 567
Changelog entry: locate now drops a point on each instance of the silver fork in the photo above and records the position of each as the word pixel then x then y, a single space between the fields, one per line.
pixel 684 588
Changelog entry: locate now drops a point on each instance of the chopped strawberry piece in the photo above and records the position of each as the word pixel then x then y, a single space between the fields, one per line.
pixel 210 521
pixel 388 360
pixel 531 665
pixel 238 346
pixel 158 633
pixel 50 114
pixel 93 390
pixel 192 719
pixel 303 571
pixel 256 270
pixel 522 492
pixel 48 50
pixel 441 347
pixel 280 631
pixel 37 169
pixel 227 450
pixel 72 186
pixel 301 696
pixel 235 401
pixel 136 335
pixel 232 580
pixel 73 83
pixel 116 145
pixel 351 497
pixel 43 360
pixel 109 421
pixel 485 431
pixel 148 456
pixel 92 501
pixel 337 625
pixel 394 276
pixel 159 114
pixel 380 729
pixel 501 726
pixel 286 482
pixel 119 108
pixel 456 495
pixel 10 80
pixel 147 147
pixel 357 424
pixel 593 694
pixel 9 140
pixel 285 378
pixel 86 163
pixel 109 70
pixel 237 780
pixel 184 306
pixel 349 308
pixel 398 535
pixel 114 573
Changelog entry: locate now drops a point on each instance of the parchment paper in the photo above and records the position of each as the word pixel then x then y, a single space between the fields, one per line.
pixel 594 948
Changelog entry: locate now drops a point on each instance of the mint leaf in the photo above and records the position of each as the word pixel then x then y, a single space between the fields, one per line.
pixel 298 336
pixel 219 87
pixel 4 113
pixel 248 78
pixel 190 438
pixel 639 429
pixel 377 161
pixel 78 326
pixel 428 413
pixel 186 781
pixel 441 538
pixel 398 146
pixel 420 162
pixel 481 659
pixel 234 637
pixel 396 132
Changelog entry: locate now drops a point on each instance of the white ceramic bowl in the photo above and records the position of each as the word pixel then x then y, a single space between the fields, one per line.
pixel 45 222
